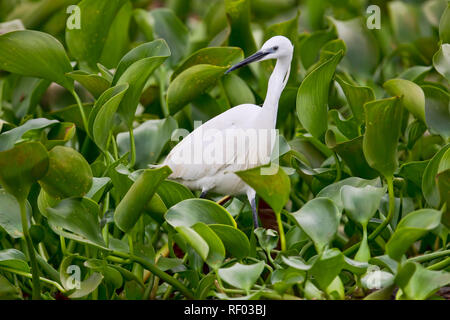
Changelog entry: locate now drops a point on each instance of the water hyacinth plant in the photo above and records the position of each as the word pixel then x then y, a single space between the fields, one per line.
pixel 94 94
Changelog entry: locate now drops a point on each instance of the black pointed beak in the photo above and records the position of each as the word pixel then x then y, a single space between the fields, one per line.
pixel 254 57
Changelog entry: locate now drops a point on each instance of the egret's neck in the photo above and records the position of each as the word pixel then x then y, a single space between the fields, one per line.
pixel 277 82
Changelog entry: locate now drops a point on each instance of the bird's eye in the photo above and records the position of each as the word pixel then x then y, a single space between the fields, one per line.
pixel 275 48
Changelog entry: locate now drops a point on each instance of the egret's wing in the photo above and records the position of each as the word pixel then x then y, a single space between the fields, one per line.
pixel 189 159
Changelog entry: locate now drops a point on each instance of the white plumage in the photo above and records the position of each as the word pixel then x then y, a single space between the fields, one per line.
pixel 206 160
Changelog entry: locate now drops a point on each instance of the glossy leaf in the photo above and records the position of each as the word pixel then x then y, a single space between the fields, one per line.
pixel 238 13
pixel 411 228
pixel 14 259
pixel 312 97
pixel 319 219
pixel 429 186
pixel 242 276
pixel 10 219
pixel 235 241
pixel 326 267
pixel 383 120
pixel 413 97
pixel 130 208
pixel 94 83
pixel 437 114
pixel 35 54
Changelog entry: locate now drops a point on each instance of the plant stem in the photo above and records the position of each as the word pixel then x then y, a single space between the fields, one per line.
pixel 430 256
pixel 162 89
pixel 133 148
pixel 30 276
pixel 440 265
pixel 157 272
pixel 80 107
pixel 34 265
pixel 380 228
pixel 281 231
pixel 338 167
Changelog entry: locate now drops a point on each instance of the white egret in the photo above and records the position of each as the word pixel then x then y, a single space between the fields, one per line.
pixel 198 172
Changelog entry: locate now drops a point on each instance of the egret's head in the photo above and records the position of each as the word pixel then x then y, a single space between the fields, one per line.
pixel 274 48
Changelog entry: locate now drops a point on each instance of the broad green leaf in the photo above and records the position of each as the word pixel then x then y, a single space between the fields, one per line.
pixel 94 83
pixel 319 219
pixel 68 174
pixel 296 263
pixel 444 25
pixel 333 191
pixel 76 218
pixel 361 204
pixel 150 138
pixel 10 218
pixel 135 68
pixel 357 96
pixel 273 188
pixel 22 166
pixel 87 43
pixel 7 290
pixel 172 192
pixel 242 276
pixel 310 46
pixel 429 186
pixel 195 240
pixel 101 118
pixel 418 283
pixel 72 114
pixel 191 211
pixel 99 185
pixel 348 127
pixel 167 26
pixel 411 228
pixel 28 130
pixel 238 13
pixel 283 279
pixel 405 22
pixel 14 259
pixel 59 134
pixel 441 60
pixel 192 83
pixel 415 73
pixel 326 267
pixel 131 206
pixel 413 97
pixel 267 238
pixel 383 121
pixel 351 152
pixel 437 113
pixel 35 54
pixel 312 97
pixel 362 52
pixel 81 289
pixel 235 241
pixel 218 56
pixel 110 274
pixel 237 90
pixel 413 171
pixel 216 253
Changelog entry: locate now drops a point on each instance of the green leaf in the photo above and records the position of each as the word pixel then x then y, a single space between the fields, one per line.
pixel 361 204
pixel 437 113
pixel 22 166
pixel 310 46
pixel 238 13
pixel 68 174
pixel 267 238
pixel 151 137
pixel 441 60
pixel 135 68
pixel 319 219
pixel 413 97
pixel 87 43
pixel 418 283
pixel 362 52
pixel 59 134
pixel 273 187
pixel 312 97
pixel 235 241
pixel 326 267
pixel 99 185
pixel 14 259
pixel 190 84
pixel 10 218
pixel 237 90
pixel 333 191
pixel 82 288
pixel 167 26
pixel 444 26
pixel 110 274
pixel 383 121
pixel 242 276
pixel 101 118
pixel 283 279
pixel 357 96
pixel 172 192
pixel 130 208
pixel 411 228
pixel 191 211
pixel 35 54
pixel 216 253
pixel 429 186
pixel 76 218
pixel 28 130
pixel 217 56
pixel 94 83
pixel 7 290
pixel 296 263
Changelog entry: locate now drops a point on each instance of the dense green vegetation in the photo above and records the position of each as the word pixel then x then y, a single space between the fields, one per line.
pixel 90 96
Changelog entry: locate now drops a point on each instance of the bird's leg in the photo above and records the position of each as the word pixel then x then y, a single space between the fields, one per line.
pixel 251 195
pixel 203 194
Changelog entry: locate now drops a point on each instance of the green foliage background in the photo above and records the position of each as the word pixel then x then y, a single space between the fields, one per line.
pixel 358 210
